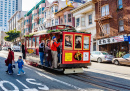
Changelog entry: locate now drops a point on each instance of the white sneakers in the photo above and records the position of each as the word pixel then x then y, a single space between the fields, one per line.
pixel 19 74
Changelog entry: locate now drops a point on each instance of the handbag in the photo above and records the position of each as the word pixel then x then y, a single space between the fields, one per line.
pixel 13 66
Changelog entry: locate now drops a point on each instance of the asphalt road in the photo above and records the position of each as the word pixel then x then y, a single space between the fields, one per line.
pixel 98 77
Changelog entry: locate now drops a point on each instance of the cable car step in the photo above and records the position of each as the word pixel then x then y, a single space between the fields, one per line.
pixel 75 70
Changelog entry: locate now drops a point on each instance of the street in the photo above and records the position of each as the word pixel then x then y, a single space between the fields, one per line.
pixel 98 77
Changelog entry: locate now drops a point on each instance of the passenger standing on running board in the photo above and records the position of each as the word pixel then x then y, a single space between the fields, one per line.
pixel 54 52
pixel 41 51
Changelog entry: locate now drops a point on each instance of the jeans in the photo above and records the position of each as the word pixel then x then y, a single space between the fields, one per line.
pixel 20 70
pixel 47 63
pixel 10 68
pixel 41 57
pixel 59 58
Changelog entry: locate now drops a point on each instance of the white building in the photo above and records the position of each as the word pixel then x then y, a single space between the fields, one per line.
pixel 7 9
pixel 84 21
pixel 13 21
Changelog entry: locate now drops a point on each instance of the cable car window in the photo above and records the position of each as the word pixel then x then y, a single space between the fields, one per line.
pixel 78 42
pixel 27 42
pixel 37 41
pixel 86 42
pixel 30 42
pixel 68 41
pixel 33 42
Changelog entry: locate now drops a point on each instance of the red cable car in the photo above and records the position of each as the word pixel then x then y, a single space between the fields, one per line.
pixel 74 49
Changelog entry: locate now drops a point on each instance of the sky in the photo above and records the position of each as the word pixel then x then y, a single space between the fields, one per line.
pixel 29 4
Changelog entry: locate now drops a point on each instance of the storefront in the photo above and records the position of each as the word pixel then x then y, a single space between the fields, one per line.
pixel 114 45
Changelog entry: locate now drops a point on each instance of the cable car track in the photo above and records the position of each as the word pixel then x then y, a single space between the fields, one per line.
pixel 100 82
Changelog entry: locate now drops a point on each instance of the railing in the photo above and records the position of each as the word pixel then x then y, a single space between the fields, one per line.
pixel 103 16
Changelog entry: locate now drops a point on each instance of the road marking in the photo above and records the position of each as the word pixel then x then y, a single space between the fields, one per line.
pixel 33 81
pixel 32 89
pixel 53 79
pixel 27 68
pixel 22 83
pixel 4 89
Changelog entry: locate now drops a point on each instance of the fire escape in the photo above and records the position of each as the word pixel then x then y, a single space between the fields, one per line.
pixel 102 32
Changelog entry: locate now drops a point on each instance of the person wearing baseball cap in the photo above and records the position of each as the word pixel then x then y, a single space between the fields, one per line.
pixel 54 52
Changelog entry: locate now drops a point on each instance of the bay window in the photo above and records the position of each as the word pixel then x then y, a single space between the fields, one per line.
pixel 90 19
pixel 56 22
pixel 69 17
pixel 77 22
pixel 65 18
pixel 83 21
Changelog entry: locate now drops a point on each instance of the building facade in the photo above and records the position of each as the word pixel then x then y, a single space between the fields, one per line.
pixel 21 28
pixel 84 21
pixel 13 21
pixel 7 9
pixel 112 24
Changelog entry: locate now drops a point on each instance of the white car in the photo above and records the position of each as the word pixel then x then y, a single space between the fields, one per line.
pixel 101 56
pixel 16 48
pixel 5 48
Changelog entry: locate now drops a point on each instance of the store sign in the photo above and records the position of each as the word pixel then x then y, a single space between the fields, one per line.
pixel 126 38
pixel 111 40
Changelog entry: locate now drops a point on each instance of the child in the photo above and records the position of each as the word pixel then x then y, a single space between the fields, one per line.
pixel 20 65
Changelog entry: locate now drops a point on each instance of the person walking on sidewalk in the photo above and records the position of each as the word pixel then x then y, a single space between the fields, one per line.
pixel 9 60
pixel 54 52
pixel 20 65
pixel 41 51
pixel 23 51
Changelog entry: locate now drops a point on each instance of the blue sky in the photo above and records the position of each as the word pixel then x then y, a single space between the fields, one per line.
pixel 28 4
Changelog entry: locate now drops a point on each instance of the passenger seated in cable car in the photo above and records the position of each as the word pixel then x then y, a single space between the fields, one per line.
pixel 68 41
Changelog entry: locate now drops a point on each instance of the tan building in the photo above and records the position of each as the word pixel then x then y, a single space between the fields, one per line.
pixel 21 28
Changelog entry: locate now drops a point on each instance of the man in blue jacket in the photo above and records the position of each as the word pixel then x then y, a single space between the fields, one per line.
pixel 20 65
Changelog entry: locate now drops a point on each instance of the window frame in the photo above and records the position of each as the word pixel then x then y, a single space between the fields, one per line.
pixel 106 10
pixel 120 4
pixel 108 32
pixel 83 22
pixel 77 23
pixel 121 25
pixel 70 18
pixel 90 21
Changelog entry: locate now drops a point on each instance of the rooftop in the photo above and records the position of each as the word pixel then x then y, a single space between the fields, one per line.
pixel 35 7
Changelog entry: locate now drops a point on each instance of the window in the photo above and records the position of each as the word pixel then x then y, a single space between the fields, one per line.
pixel 120 4
pixel 105 10
pixel 94 47
pixel 33 42
pixel 61 21
pixel 30 40
pixel 65 18
pixel 69 17
pixel 121 25
pixel 90 19
pixel 37 41
pixel 83 21
pixel 52 22
pixel 56 8
pixel 52 9
pixel 42 20
pixel 106 28
pixel 40 11
pixel 56 22
pixel 45 14
pixel 77 22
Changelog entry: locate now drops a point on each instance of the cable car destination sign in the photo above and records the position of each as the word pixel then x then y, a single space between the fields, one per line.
pixel 111 40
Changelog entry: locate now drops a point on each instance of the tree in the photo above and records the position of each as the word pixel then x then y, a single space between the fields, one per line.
pixel 11 35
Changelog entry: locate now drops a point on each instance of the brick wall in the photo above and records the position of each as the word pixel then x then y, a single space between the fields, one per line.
pixel 117 14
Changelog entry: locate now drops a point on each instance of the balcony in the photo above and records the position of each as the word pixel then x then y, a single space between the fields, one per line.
pixel 106 17
pixel 36 17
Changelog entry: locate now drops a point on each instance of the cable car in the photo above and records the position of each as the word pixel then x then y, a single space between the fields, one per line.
pixel 74 48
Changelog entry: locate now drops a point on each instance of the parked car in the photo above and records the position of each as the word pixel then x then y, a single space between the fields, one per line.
pixel 16 48
pixel 5 48
pixel 125 60
pixel 101 56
